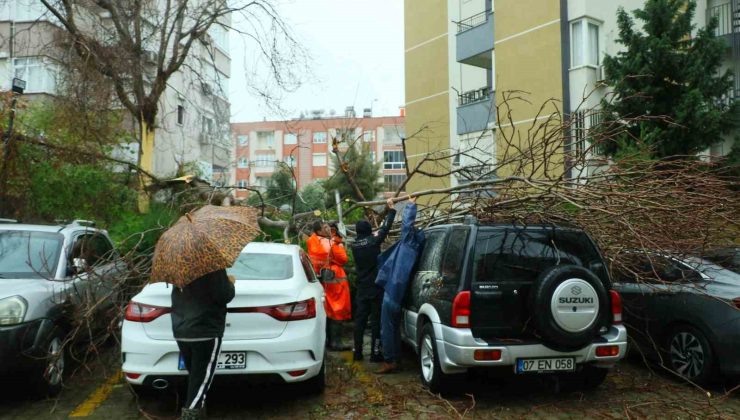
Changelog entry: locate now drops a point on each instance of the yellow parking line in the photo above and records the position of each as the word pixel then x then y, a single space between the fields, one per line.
pixel 375 396
pixel 97 397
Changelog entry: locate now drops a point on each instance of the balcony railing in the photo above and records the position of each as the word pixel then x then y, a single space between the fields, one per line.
pixel 473 96
pixel 472 21
pixel 724 15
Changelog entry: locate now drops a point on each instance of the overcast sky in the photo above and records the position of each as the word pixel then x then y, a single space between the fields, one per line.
pixel 356 50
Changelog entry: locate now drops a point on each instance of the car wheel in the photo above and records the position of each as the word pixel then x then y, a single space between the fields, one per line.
pixel 317 384
pixel 52 373
pixel 431 374
pixel 588 379
pixel 690 355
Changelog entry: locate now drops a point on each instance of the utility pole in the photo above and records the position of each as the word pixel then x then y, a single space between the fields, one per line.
pixel 18 87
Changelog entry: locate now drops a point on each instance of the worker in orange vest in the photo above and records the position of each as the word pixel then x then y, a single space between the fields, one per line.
pixel 327 252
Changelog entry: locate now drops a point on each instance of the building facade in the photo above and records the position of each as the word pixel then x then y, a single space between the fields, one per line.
pixel 551 51
pixel 305 145
pixel 192 131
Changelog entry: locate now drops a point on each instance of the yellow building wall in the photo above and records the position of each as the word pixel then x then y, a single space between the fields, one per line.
pixel 427 88
pixel 528 60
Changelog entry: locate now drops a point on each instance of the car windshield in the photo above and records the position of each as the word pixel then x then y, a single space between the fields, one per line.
pixel 28 254
pixel 262 266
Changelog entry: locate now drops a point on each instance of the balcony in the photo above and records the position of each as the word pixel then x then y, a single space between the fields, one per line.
pixel 475 40
pixel 475 110
pixel 728 21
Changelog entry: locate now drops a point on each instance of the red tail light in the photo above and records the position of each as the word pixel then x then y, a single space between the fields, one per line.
pixel 139 312
pixel 295 311
pixel 461 310
pixel 616 306
pixel 607 351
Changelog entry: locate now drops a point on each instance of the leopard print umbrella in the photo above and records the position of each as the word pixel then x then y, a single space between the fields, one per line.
pixel 203 241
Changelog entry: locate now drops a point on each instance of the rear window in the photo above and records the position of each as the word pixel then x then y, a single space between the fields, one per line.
pixel 262 266
pixel 521 255
pixel 729 259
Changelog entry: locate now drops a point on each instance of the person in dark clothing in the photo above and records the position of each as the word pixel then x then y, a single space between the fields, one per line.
pixel 198 323
pixel 369 297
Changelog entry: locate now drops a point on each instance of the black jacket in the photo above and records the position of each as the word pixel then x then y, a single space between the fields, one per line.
pixel 365 251
pixel 199 309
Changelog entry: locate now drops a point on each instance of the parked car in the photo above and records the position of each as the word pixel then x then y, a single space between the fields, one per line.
pixel 536 299
pixel 275 325
pixel 45 272
pixel 683 312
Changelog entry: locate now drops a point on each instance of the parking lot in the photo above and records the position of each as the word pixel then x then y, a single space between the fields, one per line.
pixel 353 391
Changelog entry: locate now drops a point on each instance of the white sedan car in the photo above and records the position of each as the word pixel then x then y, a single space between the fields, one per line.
pixel 275 324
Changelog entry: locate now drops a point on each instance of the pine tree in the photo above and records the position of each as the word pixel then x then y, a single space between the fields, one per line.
pixel 670 95
pixel 363 171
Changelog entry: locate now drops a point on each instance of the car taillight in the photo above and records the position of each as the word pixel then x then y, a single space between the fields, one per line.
pixel 295 311
pixel 139 312
pixel 616 306
pixel 607 351
pixel 461 310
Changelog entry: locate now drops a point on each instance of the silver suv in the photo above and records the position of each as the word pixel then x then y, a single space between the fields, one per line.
pixel 50 275
pixel 536 299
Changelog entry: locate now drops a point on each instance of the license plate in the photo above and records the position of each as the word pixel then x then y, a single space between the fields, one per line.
pixel 556 364
pixel 226 360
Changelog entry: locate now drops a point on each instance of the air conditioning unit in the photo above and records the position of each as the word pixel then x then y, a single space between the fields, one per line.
pixel 206 139
pixel 601 73
pixel 207 88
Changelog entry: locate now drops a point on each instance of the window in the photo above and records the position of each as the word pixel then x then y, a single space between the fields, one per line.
pixel 207 125
pixel 393 159
pixel 368 136
pixel 29 10
pixel 290 160
pixel 520 255
pixel 262 266
pixel 319 159
pixel 307 267
pixel 243 163
pixel 319 137
pixel 40 76
pixel 290 138
pixel 584 43
pixel 262 181
pixel 372 156
pixel 393 134
pixel 454 256
pixel 578 132
pixel 242 183
pixel 431 256
pixel 102 250
pixel 265 139
pixel 345 134
pixel 220 35
pixel 28 254
pixel 180 114
pixel 264 160
pixel 393 182
pixel 243 140
pixel 655 269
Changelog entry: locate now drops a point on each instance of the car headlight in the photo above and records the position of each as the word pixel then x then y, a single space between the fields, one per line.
pixel 12 310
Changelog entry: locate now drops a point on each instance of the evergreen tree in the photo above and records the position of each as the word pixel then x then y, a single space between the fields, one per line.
pixel 280 187
pixel 363 171
pixel 670 95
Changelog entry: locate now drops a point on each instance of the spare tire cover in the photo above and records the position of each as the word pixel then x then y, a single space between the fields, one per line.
pixel 569 305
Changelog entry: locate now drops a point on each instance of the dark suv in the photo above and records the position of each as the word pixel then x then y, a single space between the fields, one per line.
pixel 536 298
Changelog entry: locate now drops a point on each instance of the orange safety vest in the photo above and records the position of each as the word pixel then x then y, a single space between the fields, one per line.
pixel 326 253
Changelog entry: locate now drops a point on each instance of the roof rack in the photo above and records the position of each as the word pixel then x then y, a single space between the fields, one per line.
pixel 8 220
pixel 80 222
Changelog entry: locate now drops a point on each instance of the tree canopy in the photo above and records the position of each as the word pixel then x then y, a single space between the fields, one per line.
pixel 361 168
pixel 671 95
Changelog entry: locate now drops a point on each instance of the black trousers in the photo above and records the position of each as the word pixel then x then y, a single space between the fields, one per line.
pixel 367 309
pixel 200 361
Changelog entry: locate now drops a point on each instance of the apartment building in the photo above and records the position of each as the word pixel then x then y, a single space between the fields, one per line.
pixel 193 120
pixel 550 49
pixel 305 145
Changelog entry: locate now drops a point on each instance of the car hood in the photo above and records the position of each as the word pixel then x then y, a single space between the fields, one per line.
pixel 25 287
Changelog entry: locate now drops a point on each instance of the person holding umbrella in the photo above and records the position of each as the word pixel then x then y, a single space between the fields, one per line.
pixel 193 256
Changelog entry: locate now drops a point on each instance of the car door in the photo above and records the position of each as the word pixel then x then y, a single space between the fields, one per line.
pixel 106 273
pixel 446 285
pixel 77 277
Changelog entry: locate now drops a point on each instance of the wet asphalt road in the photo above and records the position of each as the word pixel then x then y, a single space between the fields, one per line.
pixel 633 390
